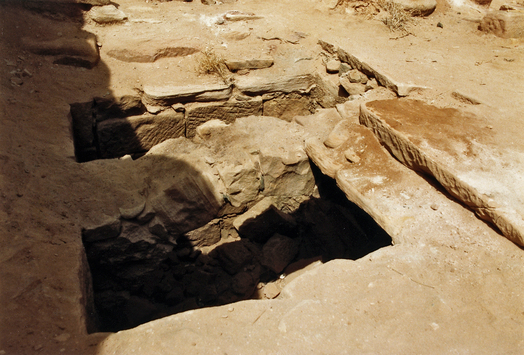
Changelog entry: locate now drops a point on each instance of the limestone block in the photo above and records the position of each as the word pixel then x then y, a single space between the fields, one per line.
pixel 252 63
pixel 278 252
pixel 256 85
pixel 106 14
pixel 135 134
pixel 229 111
pixel 338 136
pixel 504 23
pixel 171 94
pixel 80 50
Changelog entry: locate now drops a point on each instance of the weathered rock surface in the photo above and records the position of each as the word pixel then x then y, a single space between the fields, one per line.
pixel 229 111
pixel 136 134
pixel 107 14
pixel 254 63
pixel 170 94
pixel 81 50
pixel 459 151
pixel 507 23
pixel 256 85
pixel 418 7
pixel 148 51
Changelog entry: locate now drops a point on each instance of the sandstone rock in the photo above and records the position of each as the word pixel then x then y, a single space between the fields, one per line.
pixel 466 98
pixel 229 111
pixel 151 50
pixel 256 85
pixel 213 126
pixel 117 107
pixel 111 228
pixel 371 84
pixel 132 212
pixel 338 136
pixel 351 156
pixel 107 14
pixel 278 252
pixel 157 227
pixel 254 63
pixel 458 152
pixel 271 290
pixel 352 88
pixel 146 215
pixel 235 15
pixel 333 66
pixel 118 137
pixel 418 7
pixel 206 235
pixel 187 204
pixel 504 23
pixel 321 157
pixel 344 68
pixel 262 220
pixel 355 76
pixel 320 124
pixel 288 106
pixel 81 50
pixel 169 95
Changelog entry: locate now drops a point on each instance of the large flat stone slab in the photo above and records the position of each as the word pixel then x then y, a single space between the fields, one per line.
pixel 165 95
pixel 460 151
pixel 256 85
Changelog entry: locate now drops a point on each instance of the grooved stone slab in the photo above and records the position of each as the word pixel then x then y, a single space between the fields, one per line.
pixel 460 151
pixel 170 94
pixel 254 85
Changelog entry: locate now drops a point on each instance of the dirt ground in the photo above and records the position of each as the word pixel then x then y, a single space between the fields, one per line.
pixel 47 197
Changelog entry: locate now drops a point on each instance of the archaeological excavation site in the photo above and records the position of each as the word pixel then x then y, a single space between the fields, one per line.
pixel 262 177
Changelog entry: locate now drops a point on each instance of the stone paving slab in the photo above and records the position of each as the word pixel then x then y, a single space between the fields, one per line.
pixel 461 152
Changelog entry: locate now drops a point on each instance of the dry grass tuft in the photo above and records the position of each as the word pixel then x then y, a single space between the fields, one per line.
pixel 212 63
pixel 398 18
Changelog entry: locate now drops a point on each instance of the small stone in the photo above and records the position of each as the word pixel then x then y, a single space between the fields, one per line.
pixel 355 76
pixel 440 25
pixel 434 206
pixel 271 291
pixel 132 212
pixel 107 14
pixel 352 88
pixel 16 81
pixel 371 84
pixel 333 66
pixel 351 156
pixel 63 337
pixel 344 68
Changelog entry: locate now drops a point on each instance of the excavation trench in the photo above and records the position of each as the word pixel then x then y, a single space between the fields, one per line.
pixel 185 248
pixel 138 277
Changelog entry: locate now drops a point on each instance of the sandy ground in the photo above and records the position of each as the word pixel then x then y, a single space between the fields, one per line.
pixel 46 197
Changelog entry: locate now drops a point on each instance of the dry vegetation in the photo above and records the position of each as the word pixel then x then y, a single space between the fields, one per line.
pixel 396 17
pixel 210 62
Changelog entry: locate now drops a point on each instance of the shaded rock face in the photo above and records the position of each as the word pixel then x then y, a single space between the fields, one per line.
pixel 211 232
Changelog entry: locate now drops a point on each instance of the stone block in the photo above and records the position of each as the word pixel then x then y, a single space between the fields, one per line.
pixel 206 235
pixel 118 137
pixel 168 95
pixel 253 63
pixel 108 229
pixel 504 23
pixel 257 85
pixel 107 14
pixel 229 111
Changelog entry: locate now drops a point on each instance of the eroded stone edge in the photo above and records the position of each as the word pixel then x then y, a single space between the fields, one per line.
pixel 408 154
